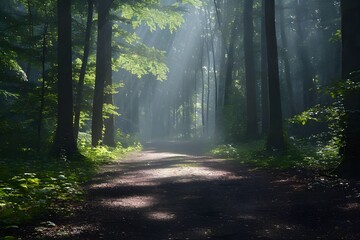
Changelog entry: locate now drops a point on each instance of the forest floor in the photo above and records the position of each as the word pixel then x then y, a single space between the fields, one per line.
pixel 173 191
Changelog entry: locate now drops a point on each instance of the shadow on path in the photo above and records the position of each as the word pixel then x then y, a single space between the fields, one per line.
pixel 170 191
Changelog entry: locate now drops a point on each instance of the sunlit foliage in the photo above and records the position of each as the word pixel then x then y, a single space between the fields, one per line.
pixel 332 116
pixel 31 187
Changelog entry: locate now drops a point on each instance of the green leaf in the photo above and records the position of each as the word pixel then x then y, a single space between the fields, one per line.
pixel 9 238
pixel 35 181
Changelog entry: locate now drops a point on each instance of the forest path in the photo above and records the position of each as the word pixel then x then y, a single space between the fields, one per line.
pixel 171 191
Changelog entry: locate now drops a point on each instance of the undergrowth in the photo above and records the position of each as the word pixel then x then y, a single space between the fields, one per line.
pixel 299 154
pixel 31 187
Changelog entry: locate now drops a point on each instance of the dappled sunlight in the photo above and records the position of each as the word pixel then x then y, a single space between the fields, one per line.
pixel 161 216
pixel 177 168
pixel 130 202
pixel 187 174
pixel 127 180
pixel 68 230
pixel 151 155
pixel 180 173
pixel 178 196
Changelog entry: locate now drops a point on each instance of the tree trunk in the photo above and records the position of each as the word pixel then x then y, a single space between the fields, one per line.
pixel 109 134
pixel 216 101
pixel 251 113
pixel 43 82
pixel 304 60
pixel 350 165
pixel 285 57
pixel 264 78
pixel 208 85
pixel 219 128
pixel 80 86
pixel 230 65
pixel 64 144
pixel 275 139
pixel 202 90
pixel 31 35
pixel 218 18
pixel 101 56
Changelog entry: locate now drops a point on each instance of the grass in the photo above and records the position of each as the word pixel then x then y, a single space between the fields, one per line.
pixel 299 154
pixel 31 187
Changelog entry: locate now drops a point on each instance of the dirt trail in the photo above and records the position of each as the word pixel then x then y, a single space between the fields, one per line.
pixel 171 191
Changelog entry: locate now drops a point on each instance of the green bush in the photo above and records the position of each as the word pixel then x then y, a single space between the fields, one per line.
pixel 299 154
pixel 29 188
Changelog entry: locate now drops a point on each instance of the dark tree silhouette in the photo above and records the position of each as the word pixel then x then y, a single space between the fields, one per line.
pixel 43 82
pixel 102 53
pixel 251 123
pixel 307 72
pixel 230 63
pixel 109 138
pixel 264 77
pixel 350 27
pixel 64 142
pixel 80 86
pixel 275 139
pixel 286 61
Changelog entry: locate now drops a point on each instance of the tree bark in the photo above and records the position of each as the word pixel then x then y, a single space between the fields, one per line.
pixel 304 60
pixel 208 80
pixel 264 78
pixel 275 139
pixel 350 28
pixel 216 101
pixel 43 82
pixel 230 64
pixel 109 122
pixel 251 113
pixel 202 90
pixel 64 144
pixel 80 86
pixel 219 128
pixel 285 58
pixel 101 56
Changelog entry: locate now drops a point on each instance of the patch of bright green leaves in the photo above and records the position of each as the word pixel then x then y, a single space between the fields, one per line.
pixel 332 115
pixel 29 188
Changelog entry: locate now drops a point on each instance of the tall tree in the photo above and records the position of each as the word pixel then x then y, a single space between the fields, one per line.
pixel 109 134
pixel 203 122
pixel 329 22
pixel 307 72
pixel 64 142
pixel 350 28
pixel 276 138
pixel 230 62
pixel 80 86
pixel 101 69
pixel 285 58
pixel 216 94
pixel 43 82
pixel 251 113
pixel 264 77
